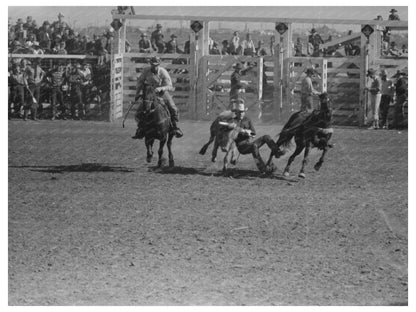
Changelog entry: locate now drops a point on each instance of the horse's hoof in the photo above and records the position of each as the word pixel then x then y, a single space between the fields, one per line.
pixel 233 162
pixel 302 175
pixel 213 159
pixel 202 152
pixel 286 173
pixel 171 164
pixel 317 167
pixel 149 159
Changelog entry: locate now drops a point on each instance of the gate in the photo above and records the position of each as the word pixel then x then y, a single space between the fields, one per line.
pixel 213 84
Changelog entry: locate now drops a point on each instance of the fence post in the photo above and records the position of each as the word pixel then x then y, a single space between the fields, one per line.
pixel 363 101
pixel 193 101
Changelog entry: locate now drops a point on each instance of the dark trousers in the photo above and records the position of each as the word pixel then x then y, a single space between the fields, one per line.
pixel 76 100
pixel 35 89
pixel 398 111
pixel 57 95
pixel 252 146
pixel 384 108
pixel 18 97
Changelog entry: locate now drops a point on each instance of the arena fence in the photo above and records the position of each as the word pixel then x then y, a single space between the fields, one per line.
pixel 99 105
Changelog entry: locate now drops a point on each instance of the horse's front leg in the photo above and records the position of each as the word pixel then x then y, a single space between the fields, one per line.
pixel 305 160
pixel 149 147
pixel 215 150
pixel 324 150
pixel 169 144
pixel 299 148
pixel 228 155
pixel 160 152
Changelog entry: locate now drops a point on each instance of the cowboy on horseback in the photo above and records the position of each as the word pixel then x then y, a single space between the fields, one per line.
pixel 157 77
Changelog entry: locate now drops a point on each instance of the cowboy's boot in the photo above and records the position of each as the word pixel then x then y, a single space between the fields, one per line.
pixel 34 113
pixel 175 129
pixel 25 114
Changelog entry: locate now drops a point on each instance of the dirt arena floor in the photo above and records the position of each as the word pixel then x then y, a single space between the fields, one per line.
pixel 91 223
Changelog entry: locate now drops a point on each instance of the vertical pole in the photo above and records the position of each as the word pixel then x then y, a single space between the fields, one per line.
pixel 201 48
pixel 123 36
pixel 276 83
pixel 193 101
pixel 260 78
pixel 362 109
pixel 203 61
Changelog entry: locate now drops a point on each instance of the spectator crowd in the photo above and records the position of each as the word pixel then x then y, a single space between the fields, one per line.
pixel 55 38
pixel 69 89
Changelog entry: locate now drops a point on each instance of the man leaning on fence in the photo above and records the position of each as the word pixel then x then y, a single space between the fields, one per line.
pixel 157 77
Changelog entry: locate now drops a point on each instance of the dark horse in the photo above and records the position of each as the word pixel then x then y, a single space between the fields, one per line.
pixel 309 130
pixel 156 125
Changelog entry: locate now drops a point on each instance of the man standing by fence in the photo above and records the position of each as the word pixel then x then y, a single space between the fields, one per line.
pixel 387 92
pixel 401 87
pixel 307 91
pixel 375 96
pixel 56 78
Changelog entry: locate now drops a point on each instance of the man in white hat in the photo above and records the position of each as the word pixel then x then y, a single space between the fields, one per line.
pixel 245 142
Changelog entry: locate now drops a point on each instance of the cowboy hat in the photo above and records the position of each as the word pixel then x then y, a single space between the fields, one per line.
pixel 46 23
pixel 155 60
pixel 238 66
pixel 310 71
pixel 143 35
pixel 158 26
pixel 383 72
pixel 313 30
pixel 173 36
pixel 19 21
pixel 371 71
pixel 399 73
pixel 393 10
pixel 240 106
pixel 61 15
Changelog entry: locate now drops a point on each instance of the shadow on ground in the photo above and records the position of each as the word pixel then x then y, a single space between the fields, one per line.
pixel 85 167
pixel 232 173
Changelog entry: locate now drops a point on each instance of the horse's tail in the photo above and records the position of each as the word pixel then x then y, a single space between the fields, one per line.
pixel 288 131
pixel 285 137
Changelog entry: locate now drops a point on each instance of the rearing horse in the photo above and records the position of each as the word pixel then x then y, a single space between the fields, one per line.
pixel 156 125
pixel 309 130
